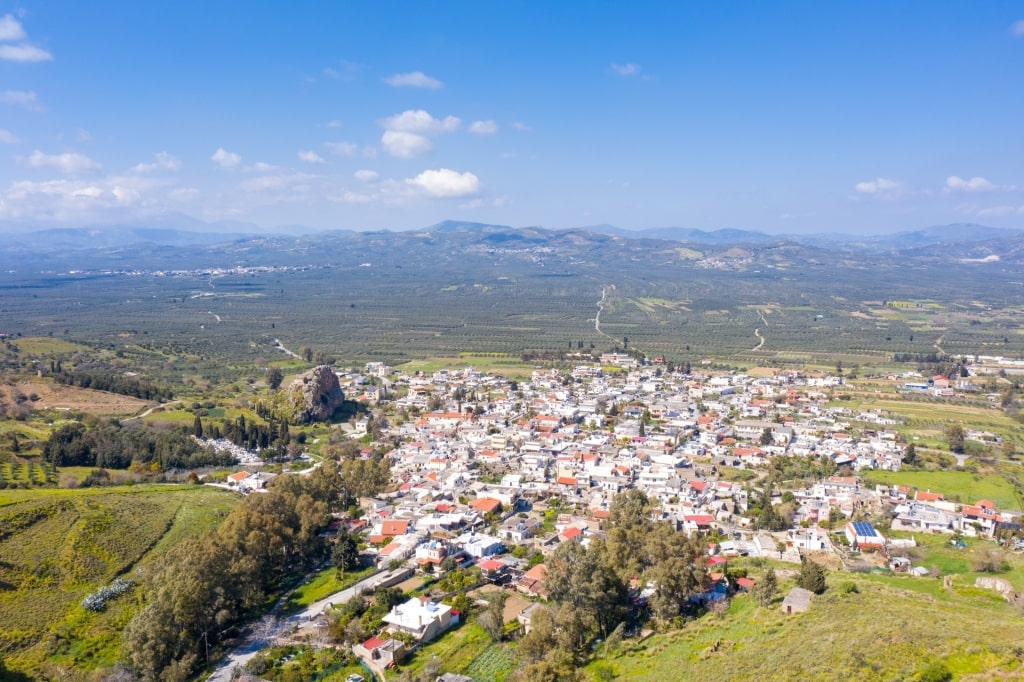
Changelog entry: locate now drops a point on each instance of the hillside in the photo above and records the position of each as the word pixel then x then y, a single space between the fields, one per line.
pixel 890 629
pixel 59 545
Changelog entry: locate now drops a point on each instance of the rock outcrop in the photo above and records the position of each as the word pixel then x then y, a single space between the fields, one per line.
pixel 315 395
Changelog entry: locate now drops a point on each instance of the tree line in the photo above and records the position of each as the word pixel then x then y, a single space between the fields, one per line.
pixel 208 585
pixel 111 382
pixel 247 434
pixel 113 446
pixel 593 590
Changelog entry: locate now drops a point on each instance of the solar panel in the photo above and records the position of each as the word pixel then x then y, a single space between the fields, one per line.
pixel 864 529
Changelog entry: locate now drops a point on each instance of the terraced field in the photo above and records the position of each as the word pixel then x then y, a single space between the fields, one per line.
pixel 57 546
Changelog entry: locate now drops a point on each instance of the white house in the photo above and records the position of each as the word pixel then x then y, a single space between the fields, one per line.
pixel 421 618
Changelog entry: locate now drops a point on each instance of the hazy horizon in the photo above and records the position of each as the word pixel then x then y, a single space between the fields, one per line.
pixel 790 119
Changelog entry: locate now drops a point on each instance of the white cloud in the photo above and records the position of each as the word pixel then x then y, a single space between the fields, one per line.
pixel 342 148
pixel 350 197
pixel 473 204
pixel 1017 28
pixel 10 28
pixel 346 71
pixel 975 184
pixel 999 211
pixel 76 200
pixel 483 127
pixel 365 175
pixel 629 69
pixel 334 123
pixel 226 159
pixel 443 182
pixel 68 162
pixel 83 135
pixel 404 145
pixel 24 53
pixel 21 98
pixel 7 137
pixel 522 127
pixel 879 187
pixel 163 161
pixel 420 121
pixel 416 79
pixel 183 193
pixel 310 156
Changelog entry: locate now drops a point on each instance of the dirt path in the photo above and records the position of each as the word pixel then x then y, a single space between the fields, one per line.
pixel 757 331
pixel 150 410
pixel 280 346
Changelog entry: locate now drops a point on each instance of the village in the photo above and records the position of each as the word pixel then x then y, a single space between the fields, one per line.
pixel 497 474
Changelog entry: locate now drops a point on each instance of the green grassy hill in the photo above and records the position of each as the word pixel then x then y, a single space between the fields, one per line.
pixel 57 546
pixel 890 629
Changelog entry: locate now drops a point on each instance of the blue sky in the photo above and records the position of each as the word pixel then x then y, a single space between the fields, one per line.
pixel 780 117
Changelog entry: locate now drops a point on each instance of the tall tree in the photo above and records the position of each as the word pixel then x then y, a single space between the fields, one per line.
pixel 345 555
pixel 811 576
pixel 955 437
pixel 274 377
pixel 629 523
pixel 583 579
pixel 764 590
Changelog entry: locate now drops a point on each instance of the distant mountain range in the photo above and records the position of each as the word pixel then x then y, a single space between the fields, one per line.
pixel 976 241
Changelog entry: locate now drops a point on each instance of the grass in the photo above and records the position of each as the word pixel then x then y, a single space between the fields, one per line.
pixel 936 551
pixel 984 418
pixel 324 584
pixel 41 345
pixel 492 363
pixel 881 632
pixel 954 485
pixel 57 545
pixel 492 665
pixel 454 651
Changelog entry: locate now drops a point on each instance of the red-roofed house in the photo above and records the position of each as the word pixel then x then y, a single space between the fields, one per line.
pixel 389 529
pixel 698 523
pixel 571 533
pixel 532 582
pixel 486 505
pixel 380 652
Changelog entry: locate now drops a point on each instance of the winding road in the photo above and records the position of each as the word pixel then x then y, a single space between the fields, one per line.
pixel 757 331
pixel 237 658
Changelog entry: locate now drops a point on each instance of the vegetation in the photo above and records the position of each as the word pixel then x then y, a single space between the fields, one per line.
pixel 59 546
pixel 877 632
pixel 208 584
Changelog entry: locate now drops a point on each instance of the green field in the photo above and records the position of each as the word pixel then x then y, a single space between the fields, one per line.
pixel 954 485
pixel 455 651
pixel 323 584
pixel 58 545
pixel 882 632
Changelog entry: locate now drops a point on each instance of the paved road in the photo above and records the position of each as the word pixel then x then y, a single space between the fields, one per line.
pixel 238 657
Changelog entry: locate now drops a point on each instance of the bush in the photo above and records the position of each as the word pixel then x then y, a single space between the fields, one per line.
pixel 97 601
pixel 990 561
pixel 935 672
pixel 812 577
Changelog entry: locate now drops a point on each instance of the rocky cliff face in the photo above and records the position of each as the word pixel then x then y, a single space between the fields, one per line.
pixel 315 395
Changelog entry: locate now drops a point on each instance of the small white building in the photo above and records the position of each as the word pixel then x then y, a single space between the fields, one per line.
pixel 420 617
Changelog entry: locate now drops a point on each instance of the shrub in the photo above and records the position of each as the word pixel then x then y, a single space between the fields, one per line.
pixel 97 601
pixel 935 672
